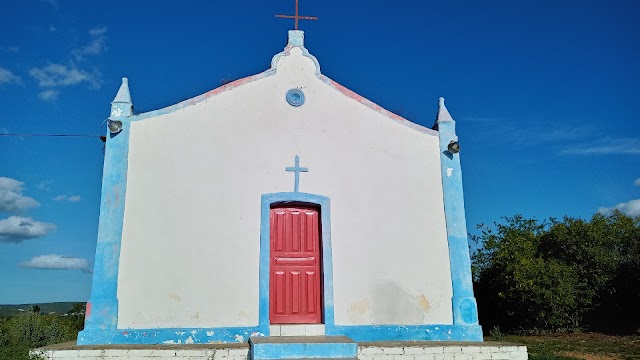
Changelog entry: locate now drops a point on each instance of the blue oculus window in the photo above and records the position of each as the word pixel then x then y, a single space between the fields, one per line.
pixel 295 97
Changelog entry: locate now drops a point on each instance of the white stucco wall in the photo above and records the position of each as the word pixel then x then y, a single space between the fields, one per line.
pixel 190 246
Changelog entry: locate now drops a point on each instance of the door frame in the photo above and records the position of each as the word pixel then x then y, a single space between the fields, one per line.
pixel 326 265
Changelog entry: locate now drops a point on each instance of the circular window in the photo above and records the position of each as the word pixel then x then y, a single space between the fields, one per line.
pixel 295 97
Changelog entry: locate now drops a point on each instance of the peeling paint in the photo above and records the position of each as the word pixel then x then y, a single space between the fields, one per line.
pixel 239 338
pixel 424 303
pixel 449 172
pixel 210 333
pixel 189 340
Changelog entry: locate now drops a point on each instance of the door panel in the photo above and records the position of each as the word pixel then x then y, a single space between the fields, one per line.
pixel 294 281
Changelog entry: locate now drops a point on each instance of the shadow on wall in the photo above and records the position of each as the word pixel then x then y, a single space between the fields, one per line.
pixel 391 305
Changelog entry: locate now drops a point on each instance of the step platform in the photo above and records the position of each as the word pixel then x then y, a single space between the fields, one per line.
pixel 302 347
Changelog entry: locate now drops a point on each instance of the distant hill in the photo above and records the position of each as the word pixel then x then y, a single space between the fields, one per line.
pixel 45 308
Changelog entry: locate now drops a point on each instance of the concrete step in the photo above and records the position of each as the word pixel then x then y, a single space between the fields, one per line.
pixel 302 347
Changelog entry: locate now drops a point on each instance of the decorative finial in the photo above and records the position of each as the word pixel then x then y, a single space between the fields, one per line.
pixel 121 104
pixel 443 113
pixel 296 38
pixel 123 94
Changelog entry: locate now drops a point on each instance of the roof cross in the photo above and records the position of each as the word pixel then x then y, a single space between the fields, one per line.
pixel 296 16
pixel 297 170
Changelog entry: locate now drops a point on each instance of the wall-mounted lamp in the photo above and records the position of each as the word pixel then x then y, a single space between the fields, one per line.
pixel 453 147
pixel 114 126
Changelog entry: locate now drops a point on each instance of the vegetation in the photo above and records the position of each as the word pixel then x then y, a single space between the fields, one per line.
pixel 31 329
pixel 562 276
pixel 579 346
pixel 46 308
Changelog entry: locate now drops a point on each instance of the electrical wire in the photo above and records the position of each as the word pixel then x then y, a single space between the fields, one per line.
pixel 53 135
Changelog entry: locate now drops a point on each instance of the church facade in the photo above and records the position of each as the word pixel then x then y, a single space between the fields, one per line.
pixel 279 204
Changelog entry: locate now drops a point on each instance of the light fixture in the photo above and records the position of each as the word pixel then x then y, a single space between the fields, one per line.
pixel 453 147
pixel 114 126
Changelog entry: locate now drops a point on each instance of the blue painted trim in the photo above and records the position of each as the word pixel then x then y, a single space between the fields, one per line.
pixel 242 334
pixel 265 252
pixel 171 336
pixel 464 307
pixel 302 350
pixel 368 333
pixel 296 170
pixel 102 308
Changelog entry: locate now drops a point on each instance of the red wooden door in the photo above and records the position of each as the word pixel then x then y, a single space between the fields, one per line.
pixel 294 283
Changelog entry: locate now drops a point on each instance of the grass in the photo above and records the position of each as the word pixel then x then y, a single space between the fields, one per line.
pixel 581 346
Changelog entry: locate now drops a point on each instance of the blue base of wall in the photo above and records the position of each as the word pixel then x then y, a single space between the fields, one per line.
pixel 240 334
pixel 369 333
pixel 170 336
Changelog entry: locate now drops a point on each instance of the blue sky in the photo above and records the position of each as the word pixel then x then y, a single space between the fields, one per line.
pixel 545 94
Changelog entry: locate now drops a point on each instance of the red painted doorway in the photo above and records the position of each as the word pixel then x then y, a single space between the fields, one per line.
pixel 294 277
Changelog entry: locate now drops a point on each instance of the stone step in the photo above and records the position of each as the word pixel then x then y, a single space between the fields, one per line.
pixel 302 347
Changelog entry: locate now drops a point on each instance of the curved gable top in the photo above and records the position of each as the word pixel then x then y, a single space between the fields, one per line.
pixel 294 48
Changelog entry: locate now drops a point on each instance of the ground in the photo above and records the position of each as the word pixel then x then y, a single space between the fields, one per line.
pixel 584 346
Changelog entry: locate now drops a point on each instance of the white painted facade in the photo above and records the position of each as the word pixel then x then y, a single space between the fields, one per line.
pixel 196 172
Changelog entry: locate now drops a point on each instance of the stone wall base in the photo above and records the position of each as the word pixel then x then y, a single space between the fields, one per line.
pixel 406 350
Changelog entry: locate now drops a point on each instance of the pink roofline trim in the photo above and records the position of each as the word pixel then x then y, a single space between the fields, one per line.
pixel 333 84
pixel 200 98
pixel 375 107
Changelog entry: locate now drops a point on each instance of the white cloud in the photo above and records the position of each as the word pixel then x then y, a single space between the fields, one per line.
pixel 629 146
pixel 7 77
pixel 98 31
pixel 11 198
pixel 16 229
pixel 57 262
pixel 96 46
pixel 637 182
pixel 630 208
pixel 72 198
pixel 57 75
pixel 49 95
pixel 45 185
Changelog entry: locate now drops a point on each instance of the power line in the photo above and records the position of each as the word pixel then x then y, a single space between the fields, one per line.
pixel 52 135
pixel 101 137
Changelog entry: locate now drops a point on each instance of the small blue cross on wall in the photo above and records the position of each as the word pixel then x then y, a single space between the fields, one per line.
pixel 297 170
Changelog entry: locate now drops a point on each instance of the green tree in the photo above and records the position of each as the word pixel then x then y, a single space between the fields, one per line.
pixel 557 275
pixel 77 309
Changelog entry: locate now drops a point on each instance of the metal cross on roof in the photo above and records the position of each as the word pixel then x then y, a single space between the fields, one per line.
pixel 296 16
pixel 297 170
